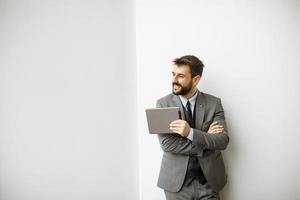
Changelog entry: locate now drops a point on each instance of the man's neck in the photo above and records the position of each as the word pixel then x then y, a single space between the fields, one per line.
pixel 191 93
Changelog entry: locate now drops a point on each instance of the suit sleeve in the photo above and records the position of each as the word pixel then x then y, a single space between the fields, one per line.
pixel 218 141
pixel 176 144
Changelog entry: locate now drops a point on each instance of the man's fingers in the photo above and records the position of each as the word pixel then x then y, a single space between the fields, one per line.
pixel 176 121
pixel 217 131
pixel 214 123
pixel 173 129
pixel 216 126
pixel 175 125
pixel 176 130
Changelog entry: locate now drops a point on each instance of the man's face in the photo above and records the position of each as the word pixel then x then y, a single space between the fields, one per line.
pixel 182 80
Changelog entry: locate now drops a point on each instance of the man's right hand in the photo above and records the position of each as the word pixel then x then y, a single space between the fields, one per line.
pixel 215 127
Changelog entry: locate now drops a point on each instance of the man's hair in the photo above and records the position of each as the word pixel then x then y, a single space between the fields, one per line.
pixel 195 65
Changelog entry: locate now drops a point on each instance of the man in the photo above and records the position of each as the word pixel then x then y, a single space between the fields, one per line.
pixel 192 165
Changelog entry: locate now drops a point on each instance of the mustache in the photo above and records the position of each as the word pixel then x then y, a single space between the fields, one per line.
pixel 177 84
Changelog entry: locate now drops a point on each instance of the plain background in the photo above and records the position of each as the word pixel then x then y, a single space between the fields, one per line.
pixel 68 100
pixel 251 52
pixel 76 76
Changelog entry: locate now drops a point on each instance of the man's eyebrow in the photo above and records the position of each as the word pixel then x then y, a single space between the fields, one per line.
pixel 178 73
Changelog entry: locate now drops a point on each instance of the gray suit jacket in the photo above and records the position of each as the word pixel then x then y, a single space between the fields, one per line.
pixel 207 147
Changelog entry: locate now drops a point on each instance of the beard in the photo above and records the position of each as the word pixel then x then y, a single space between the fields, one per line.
pixel 182 90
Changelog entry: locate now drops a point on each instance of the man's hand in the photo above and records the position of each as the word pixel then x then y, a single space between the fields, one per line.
pixel 215 127
pixel 180 127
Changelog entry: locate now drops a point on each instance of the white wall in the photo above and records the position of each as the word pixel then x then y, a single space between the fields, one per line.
pixel 67 100
pixel 64 65
pixel 251 51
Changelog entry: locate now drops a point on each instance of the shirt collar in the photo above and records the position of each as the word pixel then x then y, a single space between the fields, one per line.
pixel 185 100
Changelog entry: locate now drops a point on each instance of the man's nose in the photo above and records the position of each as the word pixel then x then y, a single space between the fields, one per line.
pixel 174 79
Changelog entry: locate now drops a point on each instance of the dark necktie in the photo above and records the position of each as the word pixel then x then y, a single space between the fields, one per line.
pixel 189 114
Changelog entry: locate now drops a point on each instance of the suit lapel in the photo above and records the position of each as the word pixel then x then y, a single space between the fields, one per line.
pixel 200 110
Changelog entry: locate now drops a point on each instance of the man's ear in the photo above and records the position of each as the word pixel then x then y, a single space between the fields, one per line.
pixel 197 79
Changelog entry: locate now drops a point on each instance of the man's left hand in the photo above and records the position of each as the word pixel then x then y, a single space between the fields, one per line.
pixel 180 127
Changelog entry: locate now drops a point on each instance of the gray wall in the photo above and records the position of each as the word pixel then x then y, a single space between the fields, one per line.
pixel 64 68
pixel 251 49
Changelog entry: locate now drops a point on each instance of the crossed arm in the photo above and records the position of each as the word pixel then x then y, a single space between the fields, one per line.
pixel 215 139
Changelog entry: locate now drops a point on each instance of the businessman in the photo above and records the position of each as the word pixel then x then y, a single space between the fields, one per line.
pixel 192 166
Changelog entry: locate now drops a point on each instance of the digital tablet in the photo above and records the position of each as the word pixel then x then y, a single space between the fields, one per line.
pixel 159 119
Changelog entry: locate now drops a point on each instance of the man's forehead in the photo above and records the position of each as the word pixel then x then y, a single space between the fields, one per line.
pixel 183 69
